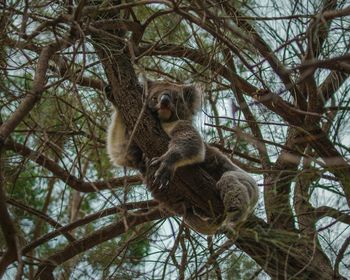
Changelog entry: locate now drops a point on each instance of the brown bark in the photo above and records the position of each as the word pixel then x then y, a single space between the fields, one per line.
pixel 285 254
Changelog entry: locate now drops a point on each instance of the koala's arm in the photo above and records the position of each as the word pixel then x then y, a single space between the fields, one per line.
pixel 186 147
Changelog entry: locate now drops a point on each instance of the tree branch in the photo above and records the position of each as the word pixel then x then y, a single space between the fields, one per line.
pixel 65 176
pixel 128 221
pixel 335 162
pixel 7 226
pixel 271 100
pixel 326 211
pixel 88 219
pixel 40 215
pixel 34 95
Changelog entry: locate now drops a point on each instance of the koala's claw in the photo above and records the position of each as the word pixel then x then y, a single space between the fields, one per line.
pixel 165 185
pixel 163 174
pixel 162 177
pixel 154 161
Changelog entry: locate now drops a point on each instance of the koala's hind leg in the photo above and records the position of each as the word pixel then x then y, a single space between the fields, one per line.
pixel 239 194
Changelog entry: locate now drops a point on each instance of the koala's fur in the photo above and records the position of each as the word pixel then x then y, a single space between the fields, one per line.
pixel 117 145
pixel 175 105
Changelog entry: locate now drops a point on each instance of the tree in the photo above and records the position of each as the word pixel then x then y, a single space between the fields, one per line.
pixel 275 80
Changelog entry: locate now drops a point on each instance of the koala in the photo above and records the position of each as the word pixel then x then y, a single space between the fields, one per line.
pixel 175 106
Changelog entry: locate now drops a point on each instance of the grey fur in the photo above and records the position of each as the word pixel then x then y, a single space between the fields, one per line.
pixel 175 106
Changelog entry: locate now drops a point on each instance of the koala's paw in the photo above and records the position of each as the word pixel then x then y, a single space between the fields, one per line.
pixel 236 204
pixel 163 174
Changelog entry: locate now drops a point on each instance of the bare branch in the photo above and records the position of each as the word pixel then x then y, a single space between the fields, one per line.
pixel 40 215
pixel 326 211
pixel 98 237
pixel 7 227
pixel 38 87
pixel 88 219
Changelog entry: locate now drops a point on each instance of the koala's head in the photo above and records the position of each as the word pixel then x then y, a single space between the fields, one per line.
pixel 171 102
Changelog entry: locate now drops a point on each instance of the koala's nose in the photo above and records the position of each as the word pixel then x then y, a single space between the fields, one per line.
pixel 165 100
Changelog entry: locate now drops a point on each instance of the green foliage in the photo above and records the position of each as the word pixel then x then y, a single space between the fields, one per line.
pixel 138 248
pixel 240 267
pixel 121 257
pixel 21 185
pixel 170 23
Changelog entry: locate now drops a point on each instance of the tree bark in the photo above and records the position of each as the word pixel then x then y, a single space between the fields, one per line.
pixel 284 254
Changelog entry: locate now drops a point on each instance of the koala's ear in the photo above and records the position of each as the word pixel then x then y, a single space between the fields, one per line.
pixel 192 95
